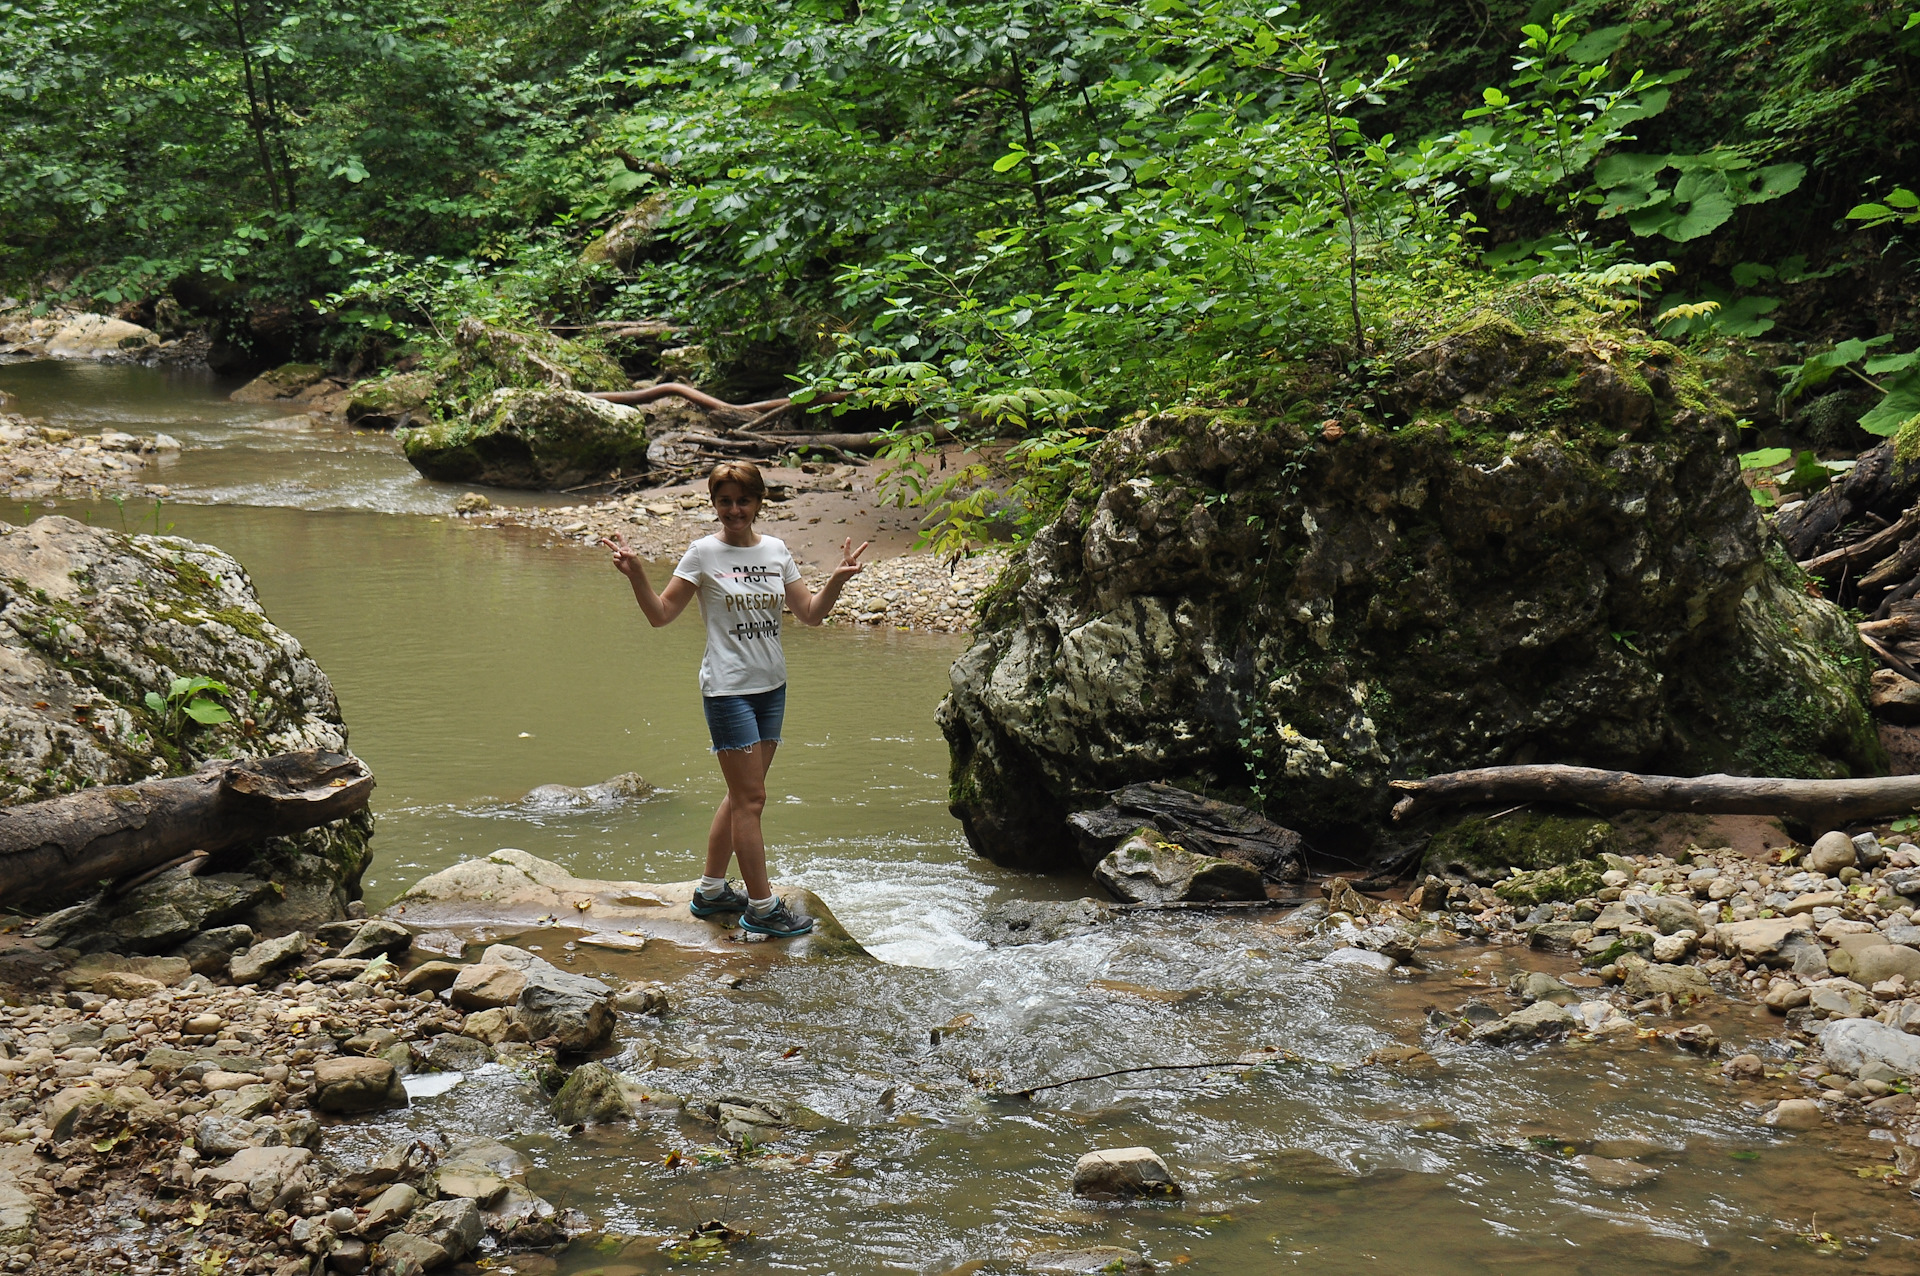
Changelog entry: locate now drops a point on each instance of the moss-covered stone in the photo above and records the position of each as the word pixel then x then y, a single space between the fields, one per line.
pixel 1563 883
pixel 536 439
pixel 1485 849
pixel 387 403
pixel 1531 545
pixel 486 357
pixel 283 382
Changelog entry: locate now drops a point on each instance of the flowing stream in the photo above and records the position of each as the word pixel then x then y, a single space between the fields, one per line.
pixel 473 664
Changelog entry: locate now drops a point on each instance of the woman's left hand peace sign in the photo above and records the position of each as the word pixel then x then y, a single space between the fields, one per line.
pixel 850 564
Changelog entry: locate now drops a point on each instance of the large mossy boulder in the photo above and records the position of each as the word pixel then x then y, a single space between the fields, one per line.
pixel 1524 545
pixel 486 357
pixel 537 439
pixel 91 623
pixel 390 402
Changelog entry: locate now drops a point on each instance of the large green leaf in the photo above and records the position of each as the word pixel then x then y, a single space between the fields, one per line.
pixel 1703 216
pixel 1627 169
pixel 1777 180
pixel 1901 404
pixel 207 713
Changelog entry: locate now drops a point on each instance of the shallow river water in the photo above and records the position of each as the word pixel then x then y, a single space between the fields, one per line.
pixel 473 664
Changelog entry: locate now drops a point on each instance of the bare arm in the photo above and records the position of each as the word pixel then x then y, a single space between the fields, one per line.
pixel 812 609
pixel 661 608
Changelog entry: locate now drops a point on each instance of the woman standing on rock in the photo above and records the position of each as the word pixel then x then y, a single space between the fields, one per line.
pixel 741 578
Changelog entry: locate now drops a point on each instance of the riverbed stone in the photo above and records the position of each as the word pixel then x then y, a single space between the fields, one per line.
pixel 591 1096
pixel 1041 921
pixel 1124 1172
pixel 1796 1114
pixel 210 951
pixel 1645 979
pixel 409 1255
pixel 1145 869
pixel 1762 938
pixel 283 382
pixel 1538 1022
pixel 453 1224
pixel 487 986
pixel 1873 963
pixel 1140 626
pixel 350 1085
pixel 1618 1174
pixel 267 956
pixel 390 402
pixel 19 1212
pixel 431 976
pixel 1830 853
pixel 389 1207
pixel 1538 985
pixel 1864 1048
pixel 1101 1259
pixel 448 1052
pixel 376 937
pixel 491 1027
pixel 102 337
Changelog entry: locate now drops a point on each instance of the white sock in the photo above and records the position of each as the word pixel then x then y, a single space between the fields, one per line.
pixel 761 907
pixel 711 886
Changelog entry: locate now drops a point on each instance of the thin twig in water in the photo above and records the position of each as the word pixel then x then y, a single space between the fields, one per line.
pixel 1121 1072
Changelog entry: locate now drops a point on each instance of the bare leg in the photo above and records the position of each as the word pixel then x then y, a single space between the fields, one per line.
pixel 735 832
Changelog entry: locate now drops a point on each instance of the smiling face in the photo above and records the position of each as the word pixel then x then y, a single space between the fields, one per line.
pixel 736 507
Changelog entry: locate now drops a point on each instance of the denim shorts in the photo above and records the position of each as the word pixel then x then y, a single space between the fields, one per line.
pixel 740 722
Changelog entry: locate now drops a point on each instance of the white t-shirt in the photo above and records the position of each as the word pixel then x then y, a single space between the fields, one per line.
pixel 742 592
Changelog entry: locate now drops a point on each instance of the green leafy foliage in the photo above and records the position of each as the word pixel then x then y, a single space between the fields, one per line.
pixel 189 700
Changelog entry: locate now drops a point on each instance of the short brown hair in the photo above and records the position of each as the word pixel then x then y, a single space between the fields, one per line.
pixel 745 473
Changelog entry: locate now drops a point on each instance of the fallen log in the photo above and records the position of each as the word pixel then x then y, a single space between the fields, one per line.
pixel 1865 553
pixel 1821 804
pixel 55 851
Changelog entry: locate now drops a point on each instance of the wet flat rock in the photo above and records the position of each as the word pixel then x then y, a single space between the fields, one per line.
pixel 513 888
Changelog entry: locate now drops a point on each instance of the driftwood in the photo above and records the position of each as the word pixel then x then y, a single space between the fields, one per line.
pixel 54 851
pixel 1819 803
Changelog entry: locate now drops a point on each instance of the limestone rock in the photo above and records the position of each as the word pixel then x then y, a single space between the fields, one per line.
pixel 1653 979
pixel 209 952
pixel 591 1096
pixel 1561 883
pixel 1191 591
pixel 346 1084
pixel 1123 1172
pixel 619 244
pixel 511 886
pixel 266 957
pixel 535 439
pixel 1861 1047
pixel 1203 825
pixel 1615 1174
pixel 389 403
pixel 629 786
pixel 491 1027
pixel 1895 698
pixel 379 936
pixel 1041 921
pixel 1538 985
pixel 409 1255
pixel 1146 870
pixel 573 1011
pixel 1538 1022
pixel 449 1052
pixel 283 382
pixel 1796 1114
pixel 96 620
pixel 1831 853
pixel 487 986
pixel 19 1212
pixel 454 1225
pixel 100 337
pixel 389 1207
pixel 431 976
pixel 1763 938
pixel 1883 961
pixel 1102 1259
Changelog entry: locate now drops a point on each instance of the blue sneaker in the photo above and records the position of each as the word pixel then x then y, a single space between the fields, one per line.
pixel 728 900
pixel 779 921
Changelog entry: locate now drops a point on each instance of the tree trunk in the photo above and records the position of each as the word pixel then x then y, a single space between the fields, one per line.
pixel 254 116
pixel 55 851
pixel 1821 804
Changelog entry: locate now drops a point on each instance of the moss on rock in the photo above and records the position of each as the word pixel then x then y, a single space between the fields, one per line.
pixel 536 439
pixel 1563 883
pixel 1532 546
pixel 1484 849
pixel 387 403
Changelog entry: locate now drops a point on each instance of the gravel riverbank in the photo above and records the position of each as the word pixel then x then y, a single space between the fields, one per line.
pixel 160 1114
pixel 39 461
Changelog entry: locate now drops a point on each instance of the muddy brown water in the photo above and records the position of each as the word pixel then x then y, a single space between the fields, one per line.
pixel 474 664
